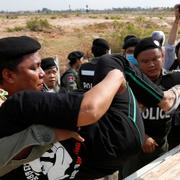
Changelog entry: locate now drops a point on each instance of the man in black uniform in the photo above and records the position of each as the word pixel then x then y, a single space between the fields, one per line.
pixel 157 123
pixel 86 73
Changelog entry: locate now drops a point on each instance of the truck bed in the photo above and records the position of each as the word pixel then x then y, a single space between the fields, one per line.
pixel 166 167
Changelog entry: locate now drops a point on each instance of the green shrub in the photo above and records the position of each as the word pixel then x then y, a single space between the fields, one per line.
pixel 140 19
pixel 78 15
pixel 38 24
pixel 53 17
pixel 115 17
pixel 11 17
pixel 93 17
pixel 120 29
pixel 65 15
pixel 106 17
pixel 15 29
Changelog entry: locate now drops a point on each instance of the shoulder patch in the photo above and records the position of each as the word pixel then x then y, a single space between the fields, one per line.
pixel 70 78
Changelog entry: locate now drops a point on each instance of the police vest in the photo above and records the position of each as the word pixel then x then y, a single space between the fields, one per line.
pixel 86 74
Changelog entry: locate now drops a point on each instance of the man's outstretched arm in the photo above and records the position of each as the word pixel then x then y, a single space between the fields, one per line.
pixel 65 111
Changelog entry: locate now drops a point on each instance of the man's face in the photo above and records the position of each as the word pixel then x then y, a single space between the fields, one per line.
pixel 151 62
pixel 50 77
pixel 29 75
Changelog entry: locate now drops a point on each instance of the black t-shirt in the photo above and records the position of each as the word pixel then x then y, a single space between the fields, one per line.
pixel 110 142
pixel 42 104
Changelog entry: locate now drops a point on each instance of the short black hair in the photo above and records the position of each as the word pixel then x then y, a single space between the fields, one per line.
pixel 74 56
pixel 48 63
pixel 10 64
pixel 128 37
pixel 99 47
pixel 131 42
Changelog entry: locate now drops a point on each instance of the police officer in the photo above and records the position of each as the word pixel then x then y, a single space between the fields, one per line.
pixel 70 79
pixel 157 123
pixel 86 73
pixel 50 78
pixel 130 42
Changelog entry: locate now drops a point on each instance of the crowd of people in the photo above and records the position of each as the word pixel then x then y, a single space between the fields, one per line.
pixel 98 117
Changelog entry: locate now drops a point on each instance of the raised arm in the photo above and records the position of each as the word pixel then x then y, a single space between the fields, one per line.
pixel 170 49
pixel 174 29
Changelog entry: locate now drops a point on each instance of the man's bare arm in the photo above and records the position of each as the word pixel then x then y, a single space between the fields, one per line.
pixel 173 32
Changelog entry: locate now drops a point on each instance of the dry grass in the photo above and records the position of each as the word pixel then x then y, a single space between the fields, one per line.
pixel 76 32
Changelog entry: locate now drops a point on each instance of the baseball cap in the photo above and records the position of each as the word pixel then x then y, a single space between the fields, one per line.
pixel 145 44
pixel 159 36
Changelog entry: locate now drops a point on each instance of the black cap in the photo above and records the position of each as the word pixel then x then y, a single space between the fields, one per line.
pixel 131 42
pixel 75 55
pixel 159 36
pixel 99 42
pixel 128 37
pixel 145 44
pixel 48 63
pixel 14 47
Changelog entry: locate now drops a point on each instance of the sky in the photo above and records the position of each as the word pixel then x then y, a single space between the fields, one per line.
pixel 15 5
